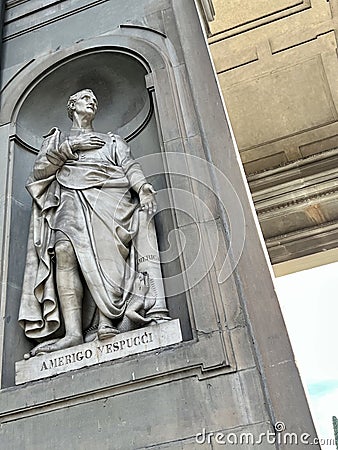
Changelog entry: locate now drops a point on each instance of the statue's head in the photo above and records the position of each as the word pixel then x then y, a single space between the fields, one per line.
pixel 85 97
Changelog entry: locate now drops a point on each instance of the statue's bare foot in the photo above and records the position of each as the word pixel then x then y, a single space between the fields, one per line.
pixel 36 349
pixel 60 344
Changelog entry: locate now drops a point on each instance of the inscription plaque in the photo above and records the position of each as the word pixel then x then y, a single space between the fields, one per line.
pixel 96 352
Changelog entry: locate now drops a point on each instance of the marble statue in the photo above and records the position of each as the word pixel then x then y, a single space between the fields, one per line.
pixel 81 280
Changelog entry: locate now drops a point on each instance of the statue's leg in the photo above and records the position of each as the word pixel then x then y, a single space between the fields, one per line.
pixel 70 292
pixel 70 289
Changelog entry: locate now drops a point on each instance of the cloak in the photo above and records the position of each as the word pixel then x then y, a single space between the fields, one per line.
pixel 86 196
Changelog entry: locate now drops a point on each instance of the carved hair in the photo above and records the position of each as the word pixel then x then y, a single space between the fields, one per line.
pixel 73 98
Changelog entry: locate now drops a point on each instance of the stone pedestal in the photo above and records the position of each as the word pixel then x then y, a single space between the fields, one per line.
pixel 96 352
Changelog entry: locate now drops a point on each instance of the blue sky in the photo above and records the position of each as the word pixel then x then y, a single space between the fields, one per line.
pixel 309 302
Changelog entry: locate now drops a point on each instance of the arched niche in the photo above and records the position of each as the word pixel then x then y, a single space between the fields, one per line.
pixel 118 81
pixel 126 108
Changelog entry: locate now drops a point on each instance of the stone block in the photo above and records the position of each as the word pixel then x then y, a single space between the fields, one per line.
pixel 301 88
pixel 97 352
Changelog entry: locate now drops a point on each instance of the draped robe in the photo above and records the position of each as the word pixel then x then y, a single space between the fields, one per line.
pixel 89 200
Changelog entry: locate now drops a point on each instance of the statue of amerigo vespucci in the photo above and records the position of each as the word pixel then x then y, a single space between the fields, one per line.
pixel 81 277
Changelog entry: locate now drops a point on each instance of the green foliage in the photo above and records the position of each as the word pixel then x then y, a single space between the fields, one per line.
pixel 335 429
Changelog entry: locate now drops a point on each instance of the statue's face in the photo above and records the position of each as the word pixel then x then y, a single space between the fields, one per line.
pixel 86 104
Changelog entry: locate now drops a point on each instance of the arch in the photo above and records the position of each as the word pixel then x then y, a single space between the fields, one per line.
pixel 118 81
pixel 144 45
pixel 163 81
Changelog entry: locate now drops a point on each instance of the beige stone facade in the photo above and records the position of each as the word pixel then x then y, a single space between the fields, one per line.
pixel 278 71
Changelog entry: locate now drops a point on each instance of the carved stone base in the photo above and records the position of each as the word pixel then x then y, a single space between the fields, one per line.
pixel 96 352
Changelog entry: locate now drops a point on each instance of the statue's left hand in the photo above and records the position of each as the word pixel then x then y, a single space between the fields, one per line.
pixel 147 198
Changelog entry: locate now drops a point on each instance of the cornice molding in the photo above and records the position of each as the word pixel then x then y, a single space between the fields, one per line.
pixel 295 236
pixel 301 243
pixel 298 183
pixel 265 19
pixel 12 3
pixel 297 202
pixel 292 165
pixel 208 9
pixel 207 13
pixel 48 20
